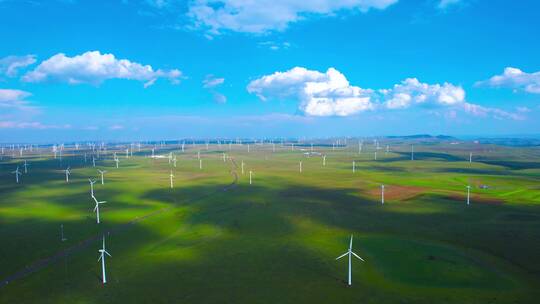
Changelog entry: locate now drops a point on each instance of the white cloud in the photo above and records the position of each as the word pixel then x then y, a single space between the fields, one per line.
pixel 116 127
pixel 14 99
pixel 94 68
pixel 274 45
pixel 30 125
pixel 411 91
pixel 11 64
pixel 523 109
pixel 331 94
pixel 444 4
pixel 249 16
pixel 211 82
pixel 516 79
pixel 320 94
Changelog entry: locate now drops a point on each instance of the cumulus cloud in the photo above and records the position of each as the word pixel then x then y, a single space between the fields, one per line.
pixel 94 68
pixel 320 94
pixel 10 65
pixel 248 16
pixel 331 94
pixel 413 92
pixel 516 79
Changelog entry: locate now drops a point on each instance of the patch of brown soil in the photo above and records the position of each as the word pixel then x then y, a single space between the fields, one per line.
pixel 395 192
pixel 476 199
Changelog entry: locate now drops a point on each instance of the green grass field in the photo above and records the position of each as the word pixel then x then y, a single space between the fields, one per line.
pixel 215 238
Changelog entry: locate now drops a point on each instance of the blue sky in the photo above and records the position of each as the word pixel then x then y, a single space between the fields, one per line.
pixel 166 69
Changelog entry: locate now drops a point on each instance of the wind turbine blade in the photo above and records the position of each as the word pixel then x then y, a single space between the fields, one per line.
pixel 357 256
pixel 350 244
pixel 95 208
pixel 102 202
pixel 100 256
pixel 339 257
pixel 108 253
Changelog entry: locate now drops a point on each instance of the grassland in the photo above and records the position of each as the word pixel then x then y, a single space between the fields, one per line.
pixel 215 238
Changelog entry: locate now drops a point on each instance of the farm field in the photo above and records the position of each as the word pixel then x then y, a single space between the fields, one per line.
pixel 216 238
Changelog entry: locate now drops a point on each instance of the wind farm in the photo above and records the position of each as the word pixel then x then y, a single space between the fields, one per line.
pixel 412 222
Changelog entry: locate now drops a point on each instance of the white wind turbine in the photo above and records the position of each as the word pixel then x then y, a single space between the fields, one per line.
pixel 117 161
pixel 470 157
pixel 93 161
pixel 102 253
pixel 96 208
pixel 412 152
pixel 25 167
pixel 102 174
pixel 200 164
pixel 92 182
pixel 382 194
pixel 17 173
pixel 350 253
pixel 353 166
pixel 468 194
pixel 174 161
pixel 324 160
pixel 300 167
pixel 171 176
pixel 250 174
pixel 242 167
pixel 68 172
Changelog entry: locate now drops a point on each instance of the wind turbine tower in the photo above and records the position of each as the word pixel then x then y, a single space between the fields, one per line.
pixel 350 254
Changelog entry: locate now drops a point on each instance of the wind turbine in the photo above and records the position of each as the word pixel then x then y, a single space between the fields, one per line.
pixel 412 152
pixel 62 232
pixel 171 176
pixel 25 167
pixel 242 167
pixel 324 160
pixel 468 194
pixel 102 253
pixel 93 161
pixel 174 161
pixel 353 166
pixel 17 173
pixel 250 174
pixel 382 194
pixel 117 161
pixel 300 167
pixel 470 157
pixel 102 173
pixel 200 164
pixel 96 208
pixel 92 182
pixel 68 172
pixel 350 253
